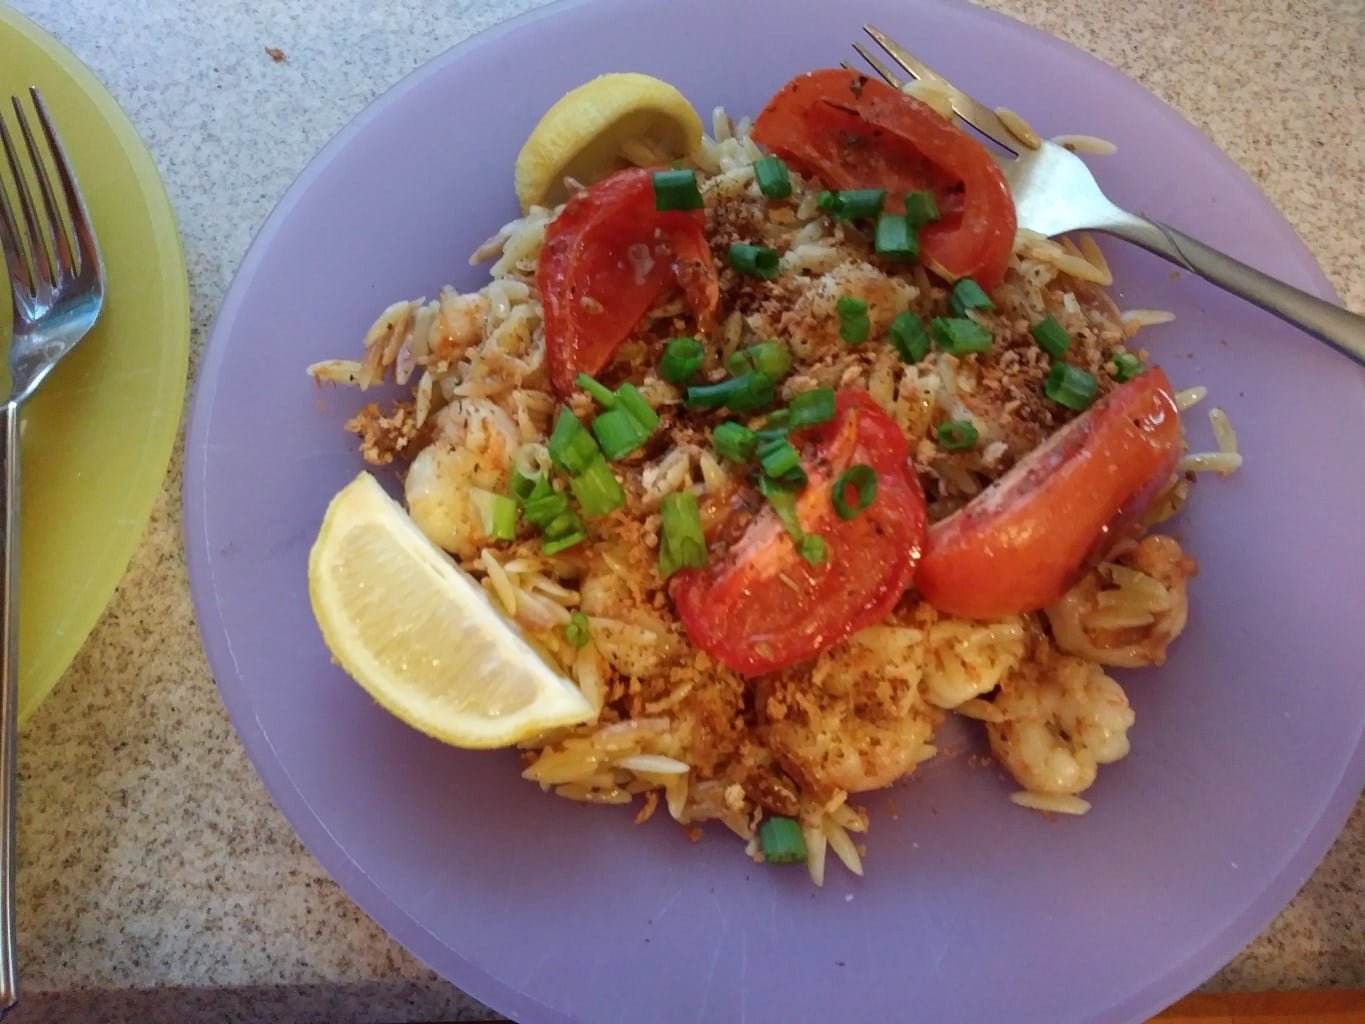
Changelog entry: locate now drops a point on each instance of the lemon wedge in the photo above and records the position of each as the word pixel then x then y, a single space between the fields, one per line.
pixel 420 636
pixel 586 133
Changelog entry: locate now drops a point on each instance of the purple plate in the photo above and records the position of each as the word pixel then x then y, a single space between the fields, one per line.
pixel 1248 751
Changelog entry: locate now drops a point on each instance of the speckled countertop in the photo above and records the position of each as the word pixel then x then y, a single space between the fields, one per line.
pixel 158 881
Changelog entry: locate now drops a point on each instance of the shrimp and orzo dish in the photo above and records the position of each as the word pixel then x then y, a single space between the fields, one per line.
pixel 787 451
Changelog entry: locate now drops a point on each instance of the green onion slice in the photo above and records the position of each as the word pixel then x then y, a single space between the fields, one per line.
pixel 497 513
pixel 813 549
pixel 921 208
pixel 527 488
pixel 777 423
pixel 783 500
pixel 1070 386
pixel 734 441
pixel 810 408
pixel 770 358
pixel 967 294
pixel 676 190
pixel 682 544
pixel 600 393
pixel 781 841
pixel 597 489
pixel 958 336
pixel 553 546
pixel 861 478
pixel 633 404
pixel 854 325
pixel 619 433
pixel 545 509
pixel 571 446
pixel 753 260
pixel 778 457
pixel 854 204
pixel 909 338
pixel 958 435
pixel 895 238
pixel 576 630
pixel 772 177
pixel 1051 336
pixel 682 359
pixel 1126 366
pixel 748 392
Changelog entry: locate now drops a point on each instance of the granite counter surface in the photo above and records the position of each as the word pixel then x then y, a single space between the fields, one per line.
pixel 158 881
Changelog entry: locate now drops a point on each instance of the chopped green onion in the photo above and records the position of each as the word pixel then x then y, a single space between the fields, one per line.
pixel 909 338
pixel 542 510
pixel 634 405
pixel 554 546
pixel 676 190
pixel 778 457
pixel 855 204
pixel 772 177
pixel 967 294
pixel 854 326
pixel 810 408
pixel 682 544
pixel 958 435
pixel 863 479
pixel 1070 386
pixel 777 423
pixel 550 511
pixel 735 441
pixel 748 392
pixel 783 501
pixel 682 359
pixel 1127 366
pixel 619 433
pixel 782 841
pixel 576 630
pixel 921 208
pixel 895 238
pixel 600 393
pixel 571 446
pixel 497 513
pixel 526 488
pixel 813 549
pixel 1051 336
pixel 794 479
pixel 957 335
pixel 770 358
pixel 754 260
pixel 597 489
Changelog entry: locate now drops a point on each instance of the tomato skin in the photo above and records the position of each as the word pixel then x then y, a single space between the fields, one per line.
pixel 851 131
pixel 762 606
pixel 605 260
pixel 1020 544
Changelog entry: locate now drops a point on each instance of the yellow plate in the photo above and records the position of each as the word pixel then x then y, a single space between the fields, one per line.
pixel 98 435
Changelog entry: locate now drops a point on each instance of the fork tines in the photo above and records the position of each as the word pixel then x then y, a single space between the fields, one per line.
pixel 972 111
pixel 38 249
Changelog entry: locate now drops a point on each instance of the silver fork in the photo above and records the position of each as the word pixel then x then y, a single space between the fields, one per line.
pixel 56 282
pixel 1054 192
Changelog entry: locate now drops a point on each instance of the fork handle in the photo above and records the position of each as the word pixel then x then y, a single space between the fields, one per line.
pixel 9 698
pixel 1329 323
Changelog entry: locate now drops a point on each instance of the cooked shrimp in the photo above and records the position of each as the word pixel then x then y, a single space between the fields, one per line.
pixel 965 659
pixel 471 451
pixel 1126 612
pixel 1060 718
pixel 459 323
pixel 856 720
pixel 633 638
